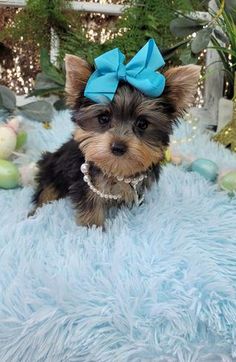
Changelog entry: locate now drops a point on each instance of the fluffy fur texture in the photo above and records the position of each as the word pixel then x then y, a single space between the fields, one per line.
pixel 158 286
pixel 125 138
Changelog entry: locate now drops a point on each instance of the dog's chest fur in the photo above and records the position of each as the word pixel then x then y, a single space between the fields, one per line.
pixel 110 185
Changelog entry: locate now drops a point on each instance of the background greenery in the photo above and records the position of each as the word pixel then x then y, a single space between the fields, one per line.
pixel 218 33
pixel 143 19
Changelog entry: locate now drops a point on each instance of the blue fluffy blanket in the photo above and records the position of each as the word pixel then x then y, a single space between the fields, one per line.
pixel 159 285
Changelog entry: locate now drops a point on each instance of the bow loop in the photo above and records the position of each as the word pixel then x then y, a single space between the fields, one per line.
pixel 139 72
pixel 109 61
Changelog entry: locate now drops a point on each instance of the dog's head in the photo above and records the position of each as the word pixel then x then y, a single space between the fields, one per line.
pixel 127 135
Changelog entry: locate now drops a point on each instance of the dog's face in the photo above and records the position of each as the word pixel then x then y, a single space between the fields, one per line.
pixel 127 135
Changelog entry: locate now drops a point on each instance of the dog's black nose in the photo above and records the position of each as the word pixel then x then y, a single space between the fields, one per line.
pixel 118 148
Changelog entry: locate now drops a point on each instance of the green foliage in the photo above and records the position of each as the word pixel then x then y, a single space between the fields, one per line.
pixel 51 80
pixel 35 20
pixel 220 31
pixel 184 26
pixel 227 51
pixel 7 99
pixel 149 21
pixel 141 21
pixel 201 40
pixel 40 111
pixel 75 42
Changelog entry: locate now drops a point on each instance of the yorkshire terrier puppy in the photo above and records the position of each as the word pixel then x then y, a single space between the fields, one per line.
pixel 117 147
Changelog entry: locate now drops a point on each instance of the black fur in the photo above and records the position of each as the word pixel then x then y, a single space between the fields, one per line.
pixel 61 169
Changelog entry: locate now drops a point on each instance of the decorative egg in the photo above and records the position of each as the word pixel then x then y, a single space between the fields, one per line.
pixel 167 155
pixel 21 139
pixel 7 142
pixel 205 168
pixel 9 175
pixel 228 182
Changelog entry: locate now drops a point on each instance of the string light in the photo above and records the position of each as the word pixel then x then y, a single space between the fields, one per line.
pixel 15 73
pixel 190 120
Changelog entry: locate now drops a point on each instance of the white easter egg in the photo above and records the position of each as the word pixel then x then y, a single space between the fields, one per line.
pixel 7 142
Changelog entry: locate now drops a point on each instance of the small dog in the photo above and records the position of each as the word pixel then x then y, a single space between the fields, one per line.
pixel 117 147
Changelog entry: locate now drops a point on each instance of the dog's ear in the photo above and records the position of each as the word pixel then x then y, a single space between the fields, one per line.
pixel 77 73
pixel 181 87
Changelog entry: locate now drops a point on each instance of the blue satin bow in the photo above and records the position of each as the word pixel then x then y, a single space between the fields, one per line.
pixel 139 72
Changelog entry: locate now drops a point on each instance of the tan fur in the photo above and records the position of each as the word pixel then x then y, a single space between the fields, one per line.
pixel 96 148
pixel 182 86
pixel 96 216
pixel 77 73
pixel 47 195
pixel 110 185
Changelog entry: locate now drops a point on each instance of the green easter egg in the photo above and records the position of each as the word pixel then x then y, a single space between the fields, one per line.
pixel 228 182
pixel 9 175
pixel 21 139
pixel 205 168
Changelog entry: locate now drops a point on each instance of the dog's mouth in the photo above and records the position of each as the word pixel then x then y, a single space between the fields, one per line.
pixel 120 168
pixel 118 158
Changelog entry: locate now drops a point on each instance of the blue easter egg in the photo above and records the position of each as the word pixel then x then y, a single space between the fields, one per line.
pixel 205 168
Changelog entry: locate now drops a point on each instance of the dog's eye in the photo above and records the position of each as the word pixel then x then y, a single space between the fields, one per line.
pixel 104 118
pixel 141 123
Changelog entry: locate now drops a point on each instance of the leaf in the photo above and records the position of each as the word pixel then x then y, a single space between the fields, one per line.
pixel 230 3
pixel 230 8
pixel 40 111
pixel 183 26
pixel 7 99
pixel 4 114
pixel 44 86
pixel 187 57
pixel 60 105
pixel 201 40
pixel 46 92
pixel 169 52
pixel 50 70
pixel 44 82
pixel 21 139
pixel 220 36
pixel 222 51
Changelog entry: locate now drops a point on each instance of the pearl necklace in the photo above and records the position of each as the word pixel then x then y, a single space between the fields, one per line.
pixel 132 181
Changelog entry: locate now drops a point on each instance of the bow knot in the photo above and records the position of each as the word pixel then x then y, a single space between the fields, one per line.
pixel 121 72
pixel 140 72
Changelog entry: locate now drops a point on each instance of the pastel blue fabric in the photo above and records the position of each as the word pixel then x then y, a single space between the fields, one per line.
pixel 158 286
pixel 140 72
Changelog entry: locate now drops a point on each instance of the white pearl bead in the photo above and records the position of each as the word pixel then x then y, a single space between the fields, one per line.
pixel 127 180
pixel 141 178
pixel 84 168
pixel 120 178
